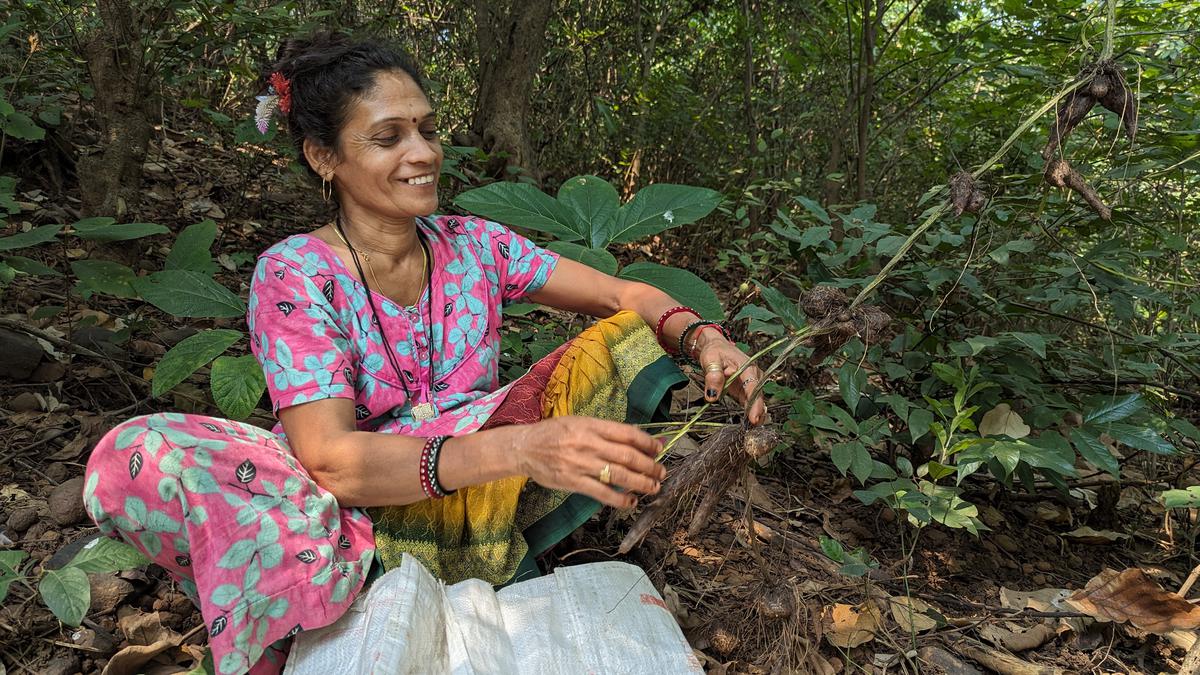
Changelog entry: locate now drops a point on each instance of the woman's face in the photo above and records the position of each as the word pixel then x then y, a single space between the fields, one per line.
pixel 389 156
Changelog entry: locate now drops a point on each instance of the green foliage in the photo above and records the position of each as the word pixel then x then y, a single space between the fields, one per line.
pixel 857 563
pixel 237 385
pixel 587 218
pixel 189 355
pixel 66 590
pixel 188 294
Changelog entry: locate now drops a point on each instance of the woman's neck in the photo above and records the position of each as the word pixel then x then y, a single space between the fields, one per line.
pixel 396 239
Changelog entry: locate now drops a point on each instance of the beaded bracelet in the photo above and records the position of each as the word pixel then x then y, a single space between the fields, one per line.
pixel 428 468
pixel 662 321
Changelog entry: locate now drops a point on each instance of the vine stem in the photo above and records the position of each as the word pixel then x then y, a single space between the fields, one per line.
pixel 1109 26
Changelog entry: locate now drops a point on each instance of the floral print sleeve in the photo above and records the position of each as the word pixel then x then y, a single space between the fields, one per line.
pixel 304 353
pixel 520 266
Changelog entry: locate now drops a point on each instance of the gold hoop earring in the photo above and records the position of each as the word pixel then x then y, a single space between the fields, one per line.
pixel 326 189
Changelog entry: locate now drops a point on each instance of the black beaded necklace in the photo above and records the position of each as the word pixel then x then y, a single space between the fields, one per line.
pixel 420 411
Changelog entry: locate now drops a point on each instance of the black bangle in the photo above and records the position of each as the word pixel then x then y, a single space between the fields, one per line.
pixel 695 325
pixel 435 456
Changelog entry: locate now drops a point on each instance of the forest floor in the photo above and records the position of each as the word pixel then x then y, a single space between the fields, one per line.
pixel 754 591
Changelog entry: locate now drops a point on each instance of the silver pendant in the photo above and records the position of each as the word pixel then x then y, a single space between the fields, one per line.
pixel 423 411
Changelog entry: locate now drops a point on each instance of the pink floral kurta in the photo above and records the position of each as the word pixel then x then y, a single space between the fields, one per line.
pixel 225 507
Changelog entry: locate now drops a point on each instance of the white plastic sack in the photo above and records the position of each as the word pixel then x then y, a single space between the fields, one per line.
pixel 596 618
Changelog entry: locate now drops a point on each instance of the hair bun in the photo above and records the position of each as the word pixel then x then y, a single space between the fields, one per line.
pixel 311 52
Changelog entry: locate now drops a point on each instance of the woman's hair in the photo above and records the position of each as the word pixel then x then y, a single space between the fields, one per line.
pixel 329 72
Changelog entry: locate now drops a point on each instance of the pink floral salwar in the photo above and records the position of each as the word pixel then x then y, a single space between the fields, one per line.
pixel 263 550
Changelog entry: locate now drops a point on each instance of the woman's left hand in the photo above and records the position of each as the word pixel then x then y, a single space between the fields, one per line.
pixel 720 359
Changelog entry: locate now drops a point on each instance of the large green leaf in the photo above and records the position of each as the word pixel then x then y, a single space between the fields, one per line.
pixel 782 306
pixel 596 258
pixel 237 385
pixel 31 266
pixel 682 285
pixel 191 353
pixel 67 593
pixel 1094 451
pixel 660 207
pixel 1135 436
pixel 594 202
pixel 188 294
pixel 191 249
pixel 20 125
pixel 105 229
pixel 1113 408
pixel 522 205
pixel 851 381
pixel 37 235
pixel 103 276
pixel 107 555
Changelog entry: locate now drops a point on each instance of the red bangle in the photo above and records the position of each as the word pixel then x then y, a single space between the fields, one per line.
pixel 715 326
pixel 662 321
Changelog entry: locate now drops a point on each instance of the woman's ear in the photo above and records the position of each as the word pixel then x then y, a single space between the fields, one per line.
pixel 320 158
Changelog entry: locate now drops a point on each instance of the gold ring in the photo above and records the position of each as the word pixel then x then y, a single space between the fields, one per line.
pixel 713 368
pixel 606 474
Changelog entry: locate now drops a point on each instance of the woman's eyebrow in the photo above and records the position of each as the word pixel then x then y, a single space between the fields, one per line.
pixel 431 115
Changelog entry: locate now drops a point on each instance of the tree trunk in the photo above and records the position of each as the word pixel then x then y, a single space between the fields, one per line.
pixel 866 92
pixel 110 179
pixel 511 35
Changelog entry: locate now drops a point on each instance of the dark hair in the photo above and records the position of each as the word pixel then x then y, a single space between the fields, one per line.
pixel 329 71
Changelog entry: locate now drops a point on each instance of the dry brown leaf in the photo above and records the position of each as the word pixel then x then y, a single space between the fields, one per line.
pixel 849 626
pixel 1041 600
pixel 913 614
pixel 1086 535
pixel 1133 596
pixel 1003 420
pixel 1018 640
pixel 70 451
pixel 132 659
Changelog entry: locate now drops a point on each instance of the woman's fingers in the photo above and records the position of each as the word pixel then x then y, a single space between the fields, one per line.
pixel 627 434
pixel 714 379
pixel 638 478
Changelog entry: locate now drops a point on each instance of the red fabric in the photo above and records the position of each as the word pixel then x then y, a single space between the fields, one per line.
pixel 523 404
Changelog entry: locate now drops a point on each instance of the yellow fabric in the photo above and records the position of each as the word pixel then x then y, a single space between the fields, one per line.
pixel 476 532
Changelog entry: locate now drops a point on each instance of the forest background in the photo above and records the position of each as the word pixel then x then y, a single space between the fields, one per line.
pixel 1044 346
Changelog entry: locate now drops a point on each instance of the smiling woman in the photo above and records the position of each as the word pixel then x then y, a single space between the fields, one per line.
pixel 379 337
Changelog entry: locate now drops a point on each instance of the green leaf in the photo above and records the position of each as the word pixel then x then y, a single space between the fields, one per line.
pixel 596 258
pixel 31 266
pixel 842 455
pixel 1142 438
pixel 190 354
pixel 38 235
pixel 191 249
pixel 815 235
pixel 107 555
pixel 67 593
pixel 594 202
pixel 525 206
pixel 814 208
pixel 861 464
pixel 659 207
pixel 185 293
pixel 1001 254
pixel 10 569
pixel 919 420
pixel 889 245
pixel 851 381
pixel 105 229
pixel 682 285
pixel 832 548
pixel 237 385
pixel 1093 451
pixel 103 276
pixel 20 125
pixel 1032 340
pixel 1113 408
pixel 782 306
pixel 1188 498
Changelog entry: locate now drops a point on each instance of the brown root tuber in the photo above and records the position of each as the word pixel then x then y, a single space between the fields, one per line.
pixel 1060 173
pixel 715 466
pixel 834 323
pixel 965 194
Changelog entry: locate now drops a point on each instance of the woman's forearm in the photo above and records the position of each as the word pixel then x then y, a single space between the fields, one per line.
pixel 379 469
pixel 651 303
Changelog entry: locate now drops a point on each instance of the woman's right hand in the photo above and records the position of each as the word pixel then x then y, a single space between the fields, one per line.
pixel 570 453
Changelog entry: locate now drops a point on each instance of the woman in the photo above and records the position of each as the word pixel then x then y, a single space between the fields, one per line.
pixel 378 335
